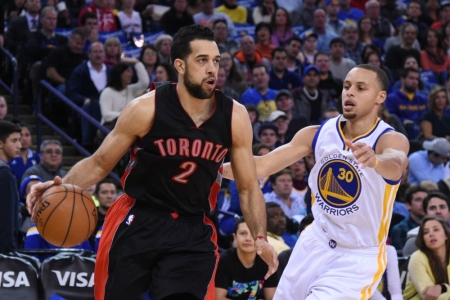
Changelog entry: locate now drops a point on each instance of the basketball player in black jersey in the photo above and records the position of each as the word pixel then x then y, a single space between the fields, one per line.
pixel 157 234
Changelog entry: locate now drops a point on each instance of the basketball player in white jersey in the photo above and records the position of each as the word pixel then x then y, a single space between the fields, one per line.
pixel 359 164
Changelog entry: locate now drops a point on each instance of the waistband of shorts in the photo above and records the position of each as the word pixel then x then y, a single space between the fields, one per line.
pixel 318 233
pixel 166 213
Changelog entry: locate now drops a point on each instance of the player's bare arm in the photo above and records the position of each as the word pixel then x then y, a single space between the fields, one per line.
pixel 390 157
pixel 250 195
pixel 134 121
pixel 282 157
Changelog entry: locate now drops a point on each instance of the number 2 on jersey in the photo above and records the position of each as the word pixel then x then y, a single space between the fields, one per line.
pixel 189 168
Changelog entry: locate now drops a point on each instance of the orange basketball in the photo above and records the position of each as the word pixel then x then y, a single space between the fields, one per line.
pixel 66 215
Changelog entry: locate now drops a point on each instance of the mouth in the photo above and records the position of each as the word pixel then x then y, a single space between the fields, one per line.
pixel 211 82
pixel 348 105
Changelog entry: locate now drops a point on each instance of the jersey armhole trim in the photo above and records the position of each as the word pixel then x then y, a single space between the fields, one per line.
pixel 316 136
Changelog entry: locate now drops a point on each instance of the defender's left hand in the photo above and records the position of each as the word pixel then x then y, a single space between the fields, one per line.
pixel 363 153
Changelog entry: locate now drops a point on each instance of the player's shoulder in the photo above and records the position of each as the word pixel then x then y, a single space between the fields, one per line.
pixel 392 139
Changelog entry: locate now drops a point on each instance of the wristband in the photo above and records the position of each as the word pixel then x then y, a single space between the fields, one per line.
pixel 261 237
pixel 443 288
pixel 376 162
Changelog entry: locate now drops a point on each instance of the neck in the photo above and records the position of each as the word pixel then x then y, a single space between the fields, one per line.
pixel 196 108
pixel 310 89
pixel 415 218
pixel 279 73
pixel 97 67
pixel 406 46
pixel 247 259
pixel 24 154
pixel 308 52
pixel 319 30
pixel 33 14
pixel 128 10
pixel 437 112
pixel 336 60
pixel 332 18
pixel 286 199
pixel 264 42
pixel 402 89
pixel 262 90
pixel 102 210
pixel 3 156
pixel 150 68
pixel 51 168
pixel 359 126
pixel 221 40
pixel 47 32
pixel 281 29
pixel 250 57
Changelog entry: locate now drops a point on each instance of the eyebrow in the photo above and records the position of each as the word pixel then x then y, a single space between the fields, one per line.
pixel 206 56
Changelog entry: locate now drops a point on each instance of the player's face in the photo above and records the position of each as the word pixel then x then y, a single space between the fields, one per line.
pixel 25 138
pixel 361 93
pixel 106 195
pixel 283 185
pixel 434 235
pixel 438 208
pixel 415 207
pixel 11 146
pixel 276 220
pixel 244 240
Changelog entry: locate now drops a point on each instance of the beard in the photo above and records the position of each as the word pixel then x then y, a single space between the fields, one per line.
pixel 196 90
pixel 409 89
pixel 349 116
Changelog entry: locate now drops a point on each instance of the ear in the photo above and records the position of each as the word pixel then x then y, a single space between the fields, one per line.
pixel 234 236
pixel 408 206
pixel 180 66
pixel 381 97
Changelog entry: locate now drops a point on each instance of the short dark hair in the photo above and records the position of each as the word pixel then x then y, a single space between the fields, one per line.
pixel 320 53
pixel 115 78
pixel 411 191
pixel 278 49
pixel 7 128
pixel 238 222
pixel 430 195
pixel 171 72
pixel 252 108
pixel 272 205
pixel 88 15
pixel 262 25
pixel 99 184
pixel 308 219
pixel 78 31
pixel 405 72
pixel 260 65
pixel 181 44
pixel 337 40
pixel 382 77
pixel 273 177
pixel 294 38
pixel 258 146
pixel 219 21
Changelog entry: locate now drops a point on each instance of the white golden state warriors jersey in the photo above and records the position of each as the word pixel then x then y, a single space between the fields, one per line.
pixel 352 206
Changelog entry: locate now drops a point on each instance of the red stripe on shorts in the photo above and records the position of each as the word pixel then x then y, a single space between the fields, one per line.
pixel 211 292
pixel 115 215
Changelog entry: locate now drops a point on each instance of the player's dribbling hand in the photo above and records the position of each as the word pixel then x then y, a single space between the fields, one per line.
pixel 363 153
pixel 268 254
pixel 36 192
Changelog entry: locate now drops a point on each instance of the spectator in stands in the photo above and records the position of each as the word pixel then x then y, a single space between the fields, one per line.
pixel 396 38
pixel 253 114
pixel 309 48
pixel 106 194
pixel 163 44
pixel 333 21
pixel 365 33
pixel 300 174
pixel 248 56
pixel 407 102
pixel 392 61
pixel 433 56
pixel 208 15
pixel 428 276
pixel 89 23
pixel 240 273
pixel 328 83
pixel 20 26
pixel 436 122
pixel 27 157
pixel 221 84
pixel 176 17
pixel 339 65
pixel 237 13
pixel 261 95
pixel 413 12
pixel 128 19
pixel 303 15
pixel 325 35
pixel 425 86
pixel 309 101
pixel 106 21
pixel 84 88
pixel 149 57
pixel 285 103
pixel 374 58
pixel 279 118
pixel 284 194
pixel 268 135
pixel 391 119
pixel 353 46
pixel 413 199
pixel 165 72
pixel 264 11
pixel 348 12
pixel 293 47
pixel 444 13
pixel 428 164
pixel 75 7
pixel 9 212
pixel 280 76
pixel 235 78
pixel 113 51
pixel 276 226
pixel 264 45
pixel 281 27
pixel 3 108
pixel 432 11
pixel 220 30
pixel 435 204
pixel 119 91
pixel 382 27
pixel 51 152
pixel 13 9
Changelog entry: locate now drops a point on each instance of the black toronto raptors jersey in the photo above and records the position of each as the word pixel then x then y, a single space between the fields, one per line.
pixel 177 166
